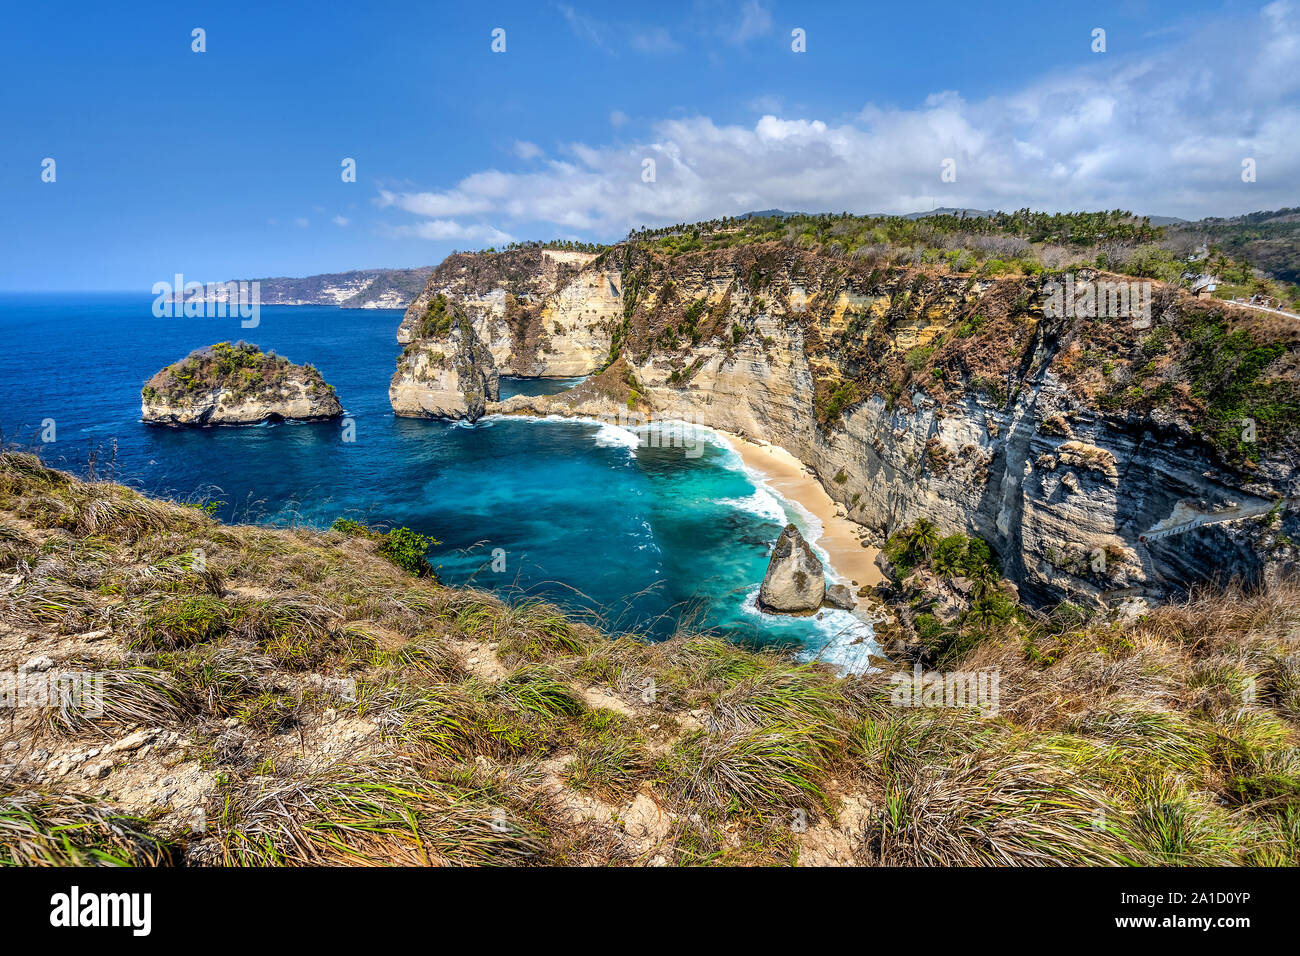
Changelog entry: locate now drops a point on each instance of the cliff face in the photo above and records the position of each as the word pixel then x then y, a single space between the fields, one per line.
pixel 361 289
pixel 1099 456
pixel 236 385
pixel 536 312
pixel 446 373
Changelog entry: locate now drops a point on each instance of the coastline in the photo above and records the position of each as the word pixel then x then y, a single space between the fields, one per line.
pixel 849 562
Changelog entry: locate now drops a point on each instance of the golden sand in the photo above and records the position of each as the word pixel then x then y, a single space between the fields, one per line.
pixel 850 562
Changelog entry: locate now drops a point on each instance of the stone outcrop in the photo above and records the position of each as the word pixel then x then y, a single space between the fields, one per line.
pixel 839 595
pixel 1078 448
pixel 795 580
pixel 446 371
pixel 538 312
pixel 236 384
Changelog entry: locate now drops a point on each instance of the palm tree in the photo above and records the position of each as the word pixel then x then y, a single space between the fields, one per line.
pixel 922 538
pixel 988 614
pixel 947 558
pixel 945 564
pixel 986 580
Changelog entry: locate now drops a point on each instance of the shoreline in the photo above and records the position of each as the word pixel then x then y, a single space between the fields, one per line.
pixel 848 561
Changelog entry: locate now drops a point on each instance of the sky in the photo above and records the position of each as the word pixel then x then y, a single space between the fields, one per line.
pixel 228 163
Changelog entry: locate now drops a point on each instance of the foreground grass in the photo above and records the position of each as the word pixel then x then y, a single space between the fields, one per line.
pixel 473 736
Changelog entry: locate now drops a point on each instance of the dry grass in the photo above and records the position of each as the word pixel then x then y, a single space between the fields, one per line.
pixel 1171 741
pixel 42 828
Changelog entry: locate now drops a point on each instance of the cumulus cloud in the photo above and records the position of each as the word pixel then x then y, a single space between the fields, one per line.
pixel 1161 134
pixel 526 150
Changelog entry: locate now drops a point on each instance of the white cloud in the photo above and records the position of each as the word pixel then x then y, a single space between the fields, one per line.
pixel 654 40
pixel 341 220
pixel 755 21
pixel 302 222
pixel 450 229
pixel 453 203
pixel 617 118
pixel 526 150
pixel 610 35
pixel 582 25
pixel 1160 134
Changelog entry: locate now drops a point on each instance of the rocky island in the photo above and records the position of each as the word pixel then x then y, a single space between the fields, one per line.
pixel 237 384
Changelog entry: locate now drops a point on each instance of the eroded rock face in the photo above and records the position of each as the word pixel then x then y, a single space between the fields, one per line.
pixel 839 595
pixel 984 415
pixel 795 580
pixel 445 373
pixel 236 384
pixel 537 312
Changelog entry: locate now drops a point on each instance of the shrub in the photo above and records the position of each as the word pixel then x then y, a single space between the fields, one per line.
pixel 402 546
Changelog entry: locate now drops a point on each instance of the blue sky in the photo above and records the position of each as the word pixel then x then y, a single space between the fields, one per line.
pixel 226 164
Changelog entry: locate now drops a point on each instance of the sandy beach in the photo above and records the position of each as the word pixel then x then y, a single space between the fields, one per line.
pixel 850 562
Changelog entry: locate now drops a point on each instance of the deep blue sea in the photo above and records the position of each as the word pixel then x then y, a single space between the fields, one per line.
pixel 585 514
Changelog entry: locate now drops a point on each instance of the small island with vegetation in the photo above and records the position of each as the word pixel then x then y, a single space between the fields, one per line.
pixel 237 384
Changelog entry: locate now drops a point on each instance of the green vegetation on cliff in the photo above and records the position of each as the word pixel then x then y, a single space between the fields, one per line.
pixel 1252 255
pixel 953 560
pixel 243 369
pixel 437 319
pixel 405 548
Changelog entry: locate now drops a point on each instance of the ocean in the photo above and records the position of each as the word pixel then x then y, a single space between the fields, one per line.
pixel 642 539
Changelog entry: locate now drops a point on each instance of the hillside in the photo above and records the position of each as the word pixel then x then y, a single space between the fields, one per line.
pixel 1269 241
pixel 1102 456
pixel 288 696
pixel 359 289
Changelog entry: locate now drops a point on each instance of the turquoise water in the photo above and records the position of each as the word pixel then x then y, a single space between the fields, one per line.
pixel 582 513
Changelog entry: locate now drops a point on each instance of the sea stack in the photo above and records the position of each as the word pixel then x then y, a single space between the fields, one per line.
pixel 444 371
pixel 237 384
pixel 795 580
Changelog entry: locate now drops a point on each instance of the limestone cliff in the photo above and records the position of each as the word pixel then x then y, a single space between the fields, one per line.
pixel 445 371
pixel 539 312
pixel 1101 457
pixel 236 385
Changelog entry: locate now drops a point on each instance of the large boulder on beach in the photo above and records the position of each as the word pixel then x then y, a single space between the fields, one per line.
pixel 839 595
pixel 795 580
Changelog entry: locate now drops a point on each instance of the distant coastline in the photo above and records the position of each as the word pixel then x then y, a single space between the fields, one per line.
pixel 358 289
